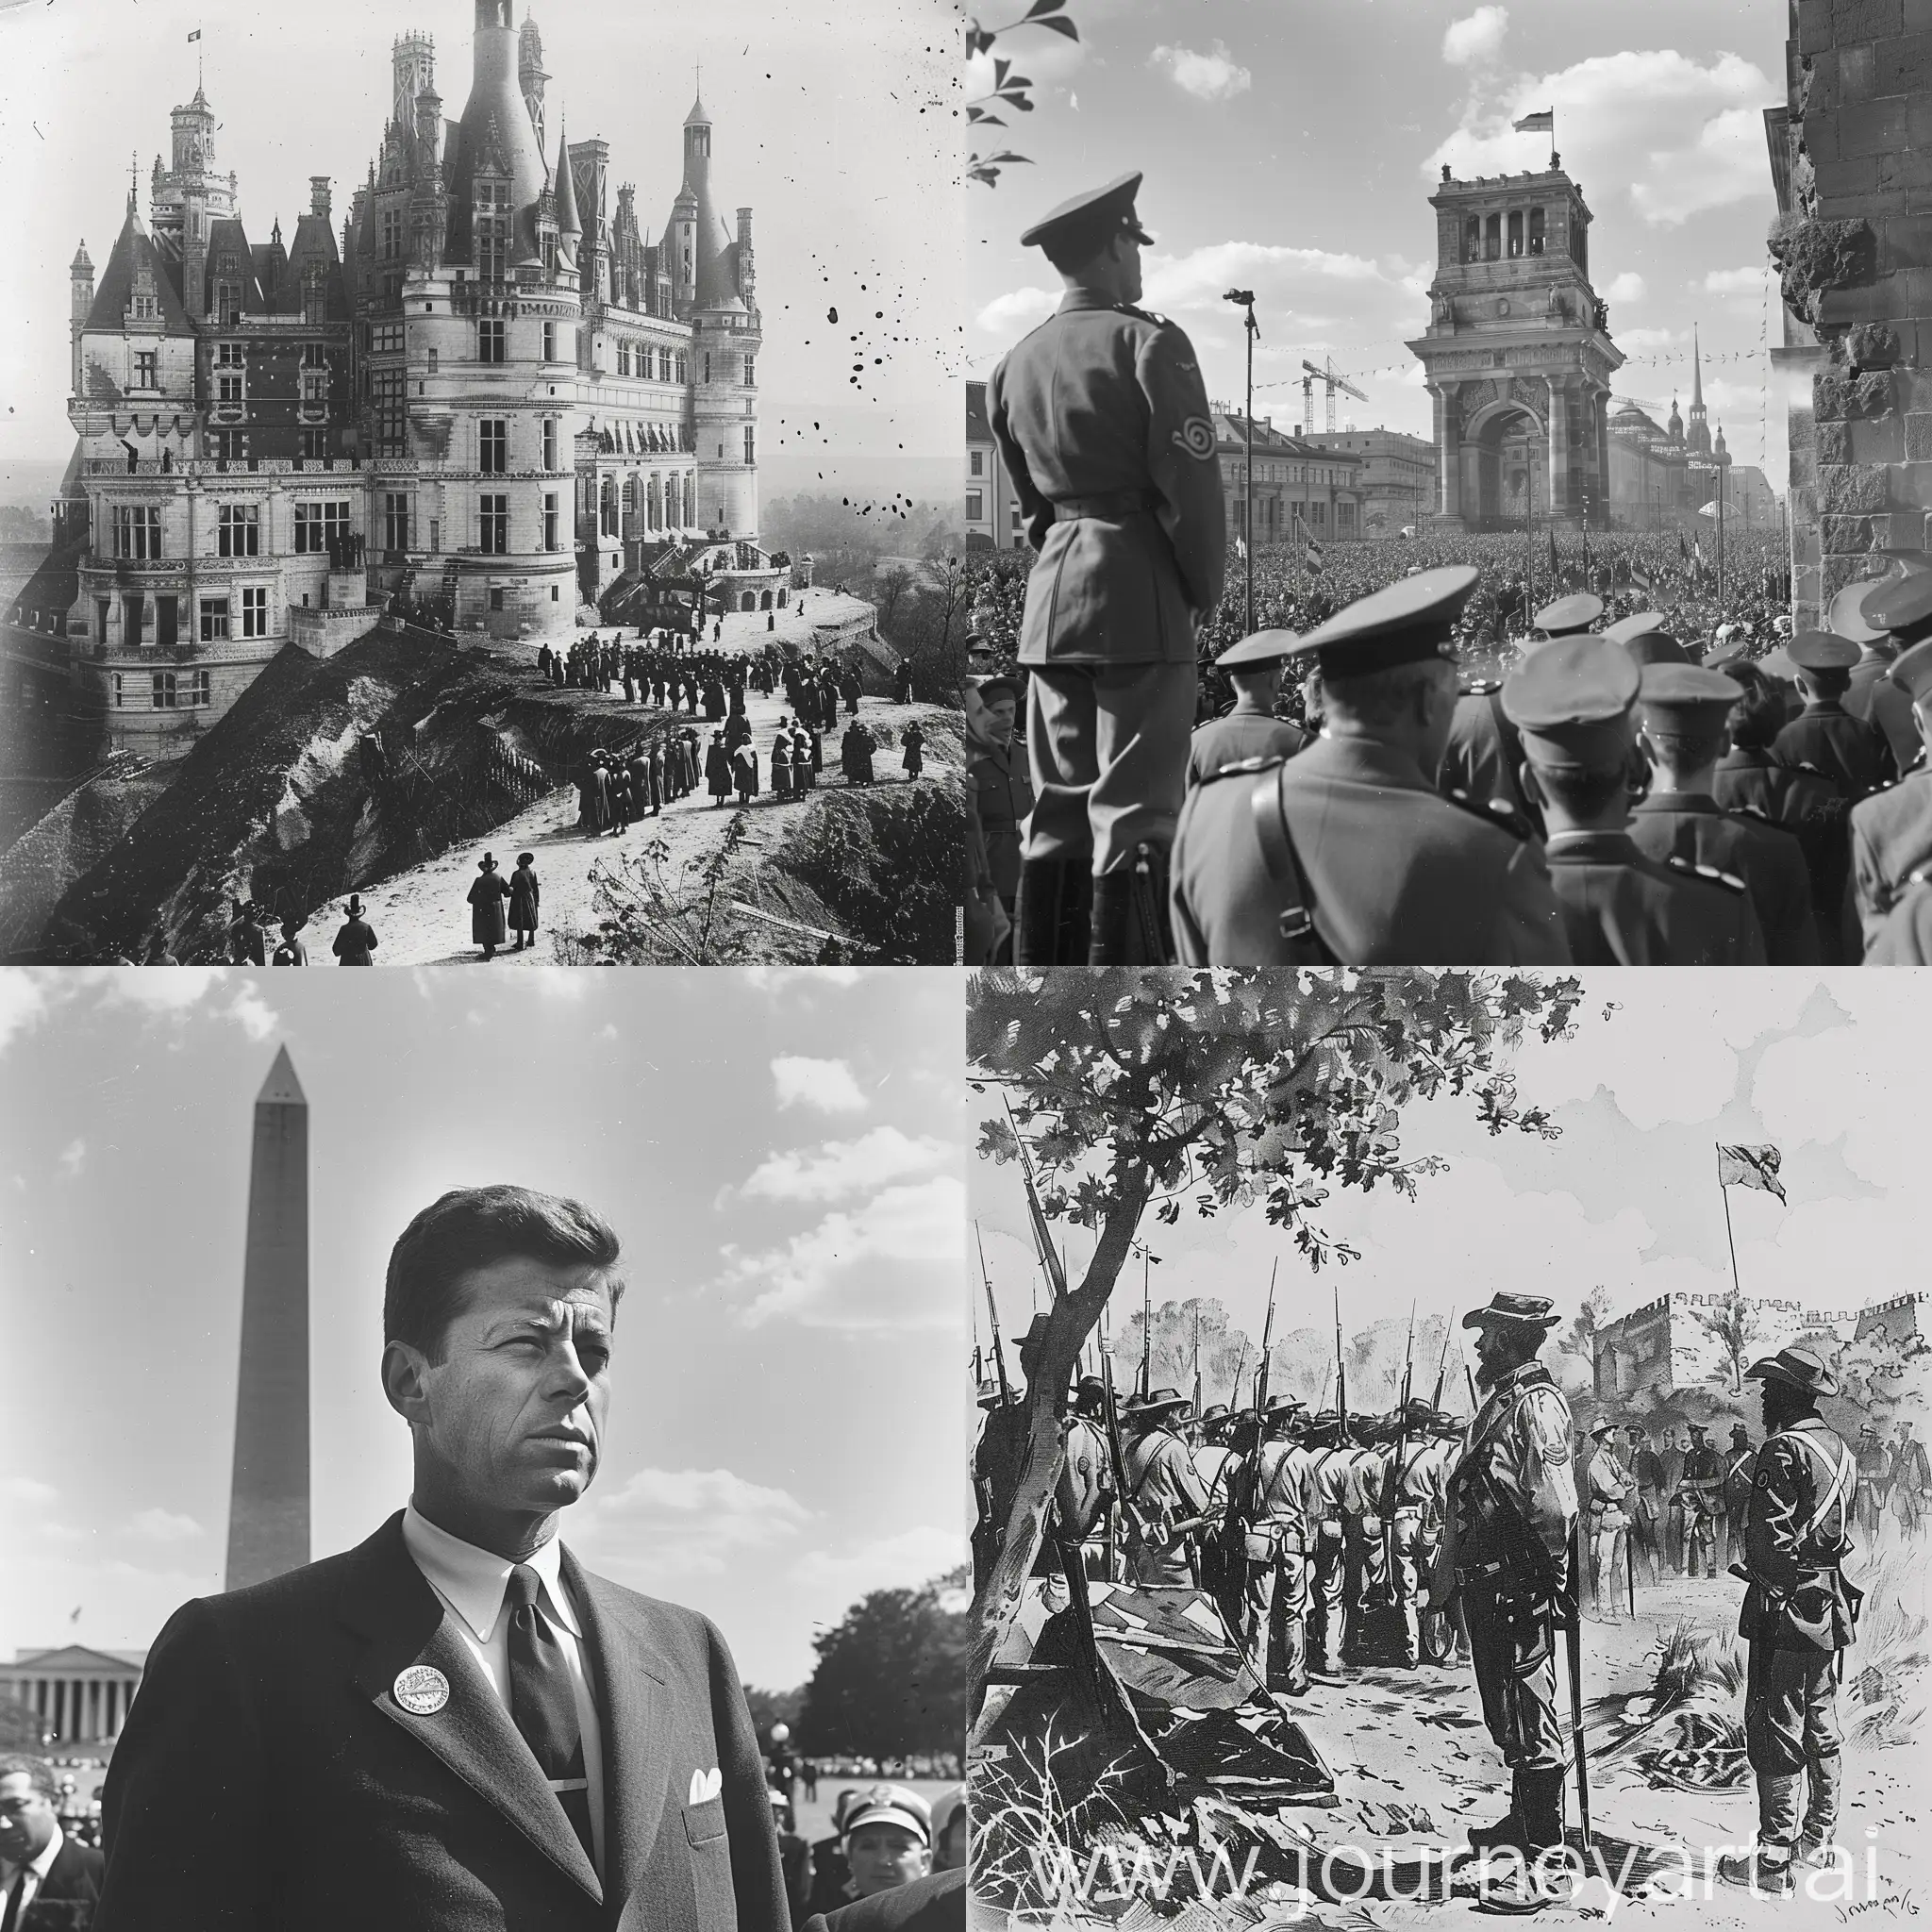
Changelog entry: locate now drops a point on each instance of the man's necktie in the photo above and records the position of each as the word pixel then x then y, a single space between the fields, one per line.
pixel 544 1702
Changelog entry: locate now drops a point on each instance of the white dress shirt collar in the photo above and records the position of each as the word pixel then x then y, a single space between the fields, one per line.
pixel 38 1866
pixel 472 1581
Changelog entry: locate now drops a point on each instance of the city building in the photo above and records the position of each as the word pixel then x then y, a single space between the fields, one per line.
pixel 80 1695
pixel 1517 353
pixel 992 511
pixel 496 401
pixel 1294 477
pixel 1398 483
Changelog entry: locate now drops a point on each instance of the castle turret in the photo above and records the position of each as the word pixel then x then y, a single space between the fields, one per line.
pixel 747 279
pixel 531 74
pixel 570 229
pixel 1700 429
pixel 81 282
pixel 495 144
pixel 713 283
pixel 413 60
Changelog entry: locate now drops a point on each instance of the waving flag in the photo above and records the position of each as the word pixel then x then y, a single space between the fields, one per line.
pixel 1750 1167
pixel 1542 123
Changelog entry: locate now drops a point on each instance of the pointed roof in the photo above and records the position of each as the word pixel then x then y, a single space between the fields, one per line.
pixel 697 117
pixel 281 1088
pixel 78 1657
pixel 133 251
pixel 1696 372
pixel 567 221
pixel 80 259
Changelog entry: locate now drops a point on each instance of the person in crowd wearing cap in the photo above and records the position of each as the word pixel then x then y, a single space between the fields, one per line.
pixel 1163 1488
pixel 1251 730
pixel 1798 1613
pixel 949 1831
pixel 1346 853
pixel 1364 1489
pixel 354 941
pixel 524 896
pixel 1573 702
pixel 1846 748
pixel 887 1840
pixel 1646 1468
pixel 1741 1461
pixel 1212 1456
pixel 1700 1488
pixel 1417 1483
pixel 1505 1559
pixel 1571 616
pixel 1103 425
pixel 455 1723
pixel 488 927
pixel 1871 694
pixel 1606 1496
pixel 292 952
pixel 1875 1470
pixel 1271 1513
pixel 1685 711
pixel 999 788
pixel 1892 833
pixel 1910 1479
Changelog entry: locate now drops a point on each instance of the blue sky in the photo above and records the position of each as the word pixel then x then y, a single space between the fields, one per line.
pixel 1830 1068
pixel 779 1151
pixel 1289 146
pixel 840 158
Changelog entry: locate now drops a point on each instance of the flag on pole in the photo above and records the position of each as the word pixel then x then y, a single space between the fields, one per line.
pixel 1240 548
pixel 195 35
pixel 1542 122
pixel 1750 1167
pixel 73 1616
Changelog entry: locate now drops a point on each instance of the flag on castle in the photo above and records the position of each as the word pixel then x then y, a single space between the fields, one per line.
pixel 1751 1167
pixel 195 35
pixel 1544 121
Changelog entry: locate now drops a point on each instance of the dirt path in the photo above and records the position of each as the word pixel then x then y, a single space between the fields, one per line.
pixel 421 917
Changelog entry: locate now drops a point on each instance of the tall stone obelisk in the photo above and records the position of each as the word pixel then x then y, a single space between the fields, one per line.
pixel 268 1507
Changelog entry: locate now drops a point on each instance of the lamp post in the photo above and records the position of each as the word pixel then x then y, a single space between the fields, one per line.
pixel 1244 299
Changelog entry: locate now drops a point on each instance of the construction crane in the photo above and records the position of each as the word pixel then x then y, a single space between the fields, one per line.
pixel 1335 381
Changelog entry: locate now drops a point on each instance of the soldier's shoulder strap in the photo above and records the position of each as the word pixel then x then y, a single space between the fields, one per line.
pixel 1481 687
pixel 1710 874
pixel 1241 768
pixel 1284 866
pixel 1492 811
pixel 1142 314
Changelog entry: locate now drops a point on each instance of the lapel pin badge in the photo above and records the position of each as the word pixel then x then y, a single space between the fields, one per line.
pixel 422 1689
pixel 706 1784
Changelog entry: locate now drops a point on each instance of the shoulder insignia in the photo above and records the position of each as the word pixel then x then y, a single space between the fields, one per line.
pixel 1691 868
pixel 1480 687
pixel 1752 811
pixel 1195 438
pixel 1140 314
pixel 1495 811
pixel 1919 878
pixel 1245 768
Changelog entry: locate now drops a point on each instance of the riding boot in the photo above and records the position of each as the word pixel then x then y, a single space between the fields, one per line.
pixel 1540 1794
pixel 1050 920
pixel 1131 923
pixel 1508 1830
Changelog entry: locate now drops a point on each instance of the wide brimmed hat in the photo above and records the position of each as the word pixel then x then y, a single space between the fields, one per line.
pixel 527 859
pixel 1161 1402
pixel 1797 1367
pixel 1525 1310
pixel 1214 1412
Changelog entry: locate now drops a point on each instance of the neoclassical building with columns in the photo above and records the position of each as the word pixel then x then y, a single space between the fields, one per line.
pixel 80 1695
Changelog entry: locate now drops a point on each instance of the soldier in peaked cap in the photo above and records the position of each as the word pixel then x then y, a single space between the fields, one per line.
pixel 1346 853
pixel 1105 427
pixel 1573 702
pixel 1686 710
pixel 1892 833
pixel 1848 750
pixel 1505 1557
pixel 1798 1613
pixel 1251 730
pixel 1647 637
pixel 1163 1488
pixel 1871 694
pixel 1571 616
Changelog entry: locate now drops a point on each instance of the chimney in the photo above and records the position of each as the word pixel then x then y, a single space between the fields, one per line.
pixel 318 195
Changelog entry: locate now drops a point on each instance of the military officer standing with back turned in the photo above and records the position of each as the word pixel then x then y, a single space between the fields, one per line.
pixel 1251 730
pixel 1103 425
pixel 1505 1556
pixel 1892 833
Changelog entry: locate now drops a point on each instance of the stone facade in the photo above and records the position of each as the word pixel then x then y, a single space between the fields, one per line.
pixel 1398 482
pixel 1293 478
pixel 1850 158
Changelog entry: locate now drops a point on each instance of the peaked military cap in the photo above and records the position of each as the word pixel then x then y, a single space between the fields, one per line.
pixel 1528 1311
pixel 1687 694
pixel 1569 615
pixel 1604 1426
pixel 998 686
pixel 1798 1368
pixel 1912 671
pixel 1263 647
pixel 1110 208
pixel 1648 647
pixel 1821 650
pixel 1572 703
pixel 1408 622
pixel 1903 607
pixel 1845 613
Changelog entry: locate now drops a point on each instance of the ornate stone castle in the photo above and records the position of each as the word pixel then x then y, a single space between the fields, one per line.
pixel 491 398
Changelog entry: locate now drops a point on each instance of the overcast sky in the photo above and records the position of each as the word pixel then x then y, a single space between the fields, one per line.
pixel 779 1151
pixel 841 137
pixel 1291 147
pixel 1832 1069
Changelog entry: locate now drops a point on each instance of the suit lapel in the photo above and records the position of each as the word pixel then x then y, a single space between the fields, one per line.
pixel 637 1741
pixel 391 1605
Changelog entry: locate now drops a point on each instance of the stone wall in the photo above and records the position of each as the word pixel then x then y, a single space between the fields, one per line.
pixel 1853 244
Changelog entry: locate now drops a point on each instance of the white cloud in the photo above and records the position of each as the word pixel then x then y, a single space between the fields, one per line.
pixel 826 1085
pixel 683 1520
pixel 892 1263
pixel 22 1004
pixel 1214 75
pixel 838 1168
pixel 606 1031
pixel 259 1019
pixel 1017 313
pixel 24 1488
pixel 1739 284
pixel 158 989
pixel 73 1158
pixel 1682 135
pixel 1477 38
pixel 164 1527
pixel 1628 287
pixel 559 983
pixel 903 1561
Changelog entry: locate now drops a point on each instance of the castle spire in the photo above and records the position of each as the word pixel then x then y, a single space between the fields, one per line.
pixel 567 221
pixel 1696 372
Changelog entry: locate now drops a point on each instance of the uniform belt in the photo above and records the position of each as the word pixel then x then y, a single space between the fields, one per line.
pixel 1120 502
pixel 1474 1571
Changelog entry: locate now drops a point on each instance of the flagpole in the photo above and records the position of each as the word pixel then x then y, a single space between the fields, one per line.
pixel 1735 1288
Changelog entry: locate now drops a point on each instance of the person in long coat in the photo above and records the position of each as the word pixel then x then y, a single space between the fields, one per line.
pixel 354 943
pixel 718 768
pixel 657 777
pixel 802 771
pixel 781 767
pixel 488 927
pixel 624 801
pixel 524 893
pixel 744 765
pixel 915 747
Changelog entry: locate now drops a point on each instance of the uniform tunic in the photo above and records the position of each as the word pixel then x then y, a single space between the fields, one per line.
pixel 1850 752
pixel 1245 732
pixel 1621 908
pixel 1277 1563
pixel 1484 759
pixel 1163 1488
pixel 1000 783
pixel 1770 861
pixel 1892 837
pixel 1399 875
pixel 1875 698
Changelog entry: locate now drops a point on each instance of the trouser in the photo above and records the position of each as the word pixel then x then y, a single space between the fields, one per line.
pixel 1700 1540
pixel 1673 1535
pixel 1158 1562
pixel 1608 1547
pixel 1515 1666
pixel 1278 1604
pixel 1867 1509
pixel 1791 1730
pixel 1406 1580
pixel 1643 1531
pixel 1108 748
pixel 1730 1540
pixel 1328 1621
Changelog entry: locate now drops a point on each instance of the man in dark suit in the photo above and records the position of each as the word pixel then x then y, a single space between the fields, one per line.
pixel 47 1880
pixel 455 1724
pixel 936 1902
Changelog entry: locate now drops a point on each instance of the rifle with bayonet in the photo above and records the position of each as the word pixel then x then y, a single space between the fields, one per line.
pixel 992 1309
pixel 1572 1638
pixel 1442 1365
pixel 1132 1531
pixel 1393 1498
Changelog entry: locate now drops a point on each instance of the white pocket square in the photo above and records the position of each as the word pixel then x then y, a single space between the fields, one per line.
pixel 706 1784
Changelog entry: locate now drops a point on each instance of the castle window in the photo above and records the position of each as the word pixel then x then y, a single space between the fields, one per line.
pixel 494 447
pixel 550 341
pixel 1515 233
pixel 214 620
pixel 623 358
pixel 391 406
pixel 231 445
pixel 120 695
pixel 227 305
pixel 143 308
pixel 1472 239
pixel 395 521
pixel 254 613
pixel 1493 238
pixel 387 338
pixel 162 688
pixel 707 369
pixel 550 442
pixel 494 519
pixel 749 378
pixel 663 365
pixel 1536 231
pixel 136 529
pixel 972 506
pixel 314 444
pixel 550 541
pixel 683 368
pixel 147 370
pixel 238 529
pixel 392 233
pixel 314 387
pixel 750 435
pixel 492 344
pixel 314 295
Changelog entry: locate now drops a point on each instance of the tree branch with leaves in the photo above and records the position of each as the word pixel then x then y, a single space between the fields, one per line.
pixel 1009 89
